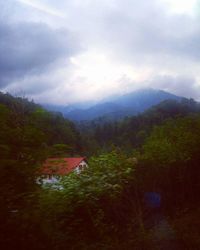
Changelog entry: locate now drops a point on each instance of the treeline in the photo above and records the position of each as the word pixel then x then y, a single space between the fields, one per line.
pixel 131 132
pixel 136 194
pixel 28 135
pixel 24 121
pixel 126 202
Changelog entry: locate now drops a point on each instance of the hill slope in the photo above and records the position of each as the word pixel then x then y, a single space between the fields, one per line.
pixel 120 107
pixel 132 131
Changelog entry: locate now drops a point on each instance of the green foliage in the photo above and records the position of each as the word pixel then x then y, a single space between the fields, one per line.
pixel 88 206
pixel 170 161
pixel 27 135
pixel 60 150
pixel 106 175
pixel 133 131
pixel 57 129
pixel 104 207
pixel 175 141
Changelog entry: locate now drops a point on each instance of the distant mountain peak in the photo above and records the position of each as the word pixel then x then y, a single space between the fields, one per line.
pixel 124 105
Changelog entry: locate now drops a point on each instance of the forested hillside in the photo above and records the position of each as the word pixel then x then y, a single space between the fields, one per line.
pixel 28 135
pixel 24 121
pixel 102 134
pixel 140 191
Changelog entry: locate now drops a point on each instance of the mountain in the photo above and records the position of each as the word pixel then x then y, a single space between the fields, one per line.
pixel 65 109
pixel 131 132
pixel 122 106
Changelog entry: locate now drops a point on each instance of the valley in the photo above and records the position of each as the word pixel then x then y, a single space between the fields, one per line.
pixel 142 177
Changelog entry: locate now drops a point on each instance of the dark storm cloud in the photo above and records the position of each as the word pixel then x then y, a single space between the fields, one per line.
pixel 138 39
pixel 31 48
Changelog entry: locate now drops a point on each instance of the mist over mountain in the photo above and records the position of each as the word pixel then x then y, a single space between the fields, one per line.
pixel 65 109
pixel 115 108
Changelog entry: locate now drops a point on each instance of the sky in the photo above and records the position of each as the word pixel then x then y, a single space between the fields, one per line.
pixel 68 51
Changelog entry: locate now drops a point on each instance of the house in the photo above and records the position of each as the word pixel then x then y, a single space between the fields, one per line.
pixel 54 168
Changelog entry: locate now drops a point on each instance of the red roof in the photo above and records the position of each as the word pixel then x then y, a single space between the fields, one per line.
pixel 60 166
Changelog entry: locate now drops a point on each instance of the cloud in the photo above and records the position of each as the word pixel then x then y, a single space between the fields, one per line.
pixel 66 51
pixel 28 48
pixel 41 7
pixel 144 31
pixel 181 85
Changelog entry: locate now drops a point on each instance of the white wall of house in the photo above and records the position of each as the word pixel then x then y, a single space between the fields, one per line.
pixel 48 179
pixel 51 179
pixel 82 165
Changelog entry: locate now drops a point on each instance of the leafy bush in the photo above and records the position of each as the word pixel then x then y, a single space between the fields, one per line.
pixel 88 208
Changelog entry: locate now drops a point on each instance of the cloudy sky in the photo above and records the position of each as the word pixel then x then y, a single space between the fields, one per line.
pixel 67 51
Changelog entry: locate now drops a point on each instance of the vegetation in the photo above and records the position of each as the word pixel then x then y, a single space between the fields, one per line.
pixel 133 131
pixel 140 191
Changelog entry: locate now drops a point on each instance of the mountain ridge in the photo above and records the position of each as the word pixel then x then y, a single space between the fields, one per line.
pixel 118 107
pixel 125 105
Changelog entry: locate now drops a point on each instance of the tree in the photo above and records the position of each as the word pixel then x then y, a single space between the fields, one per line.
pixel 91 205
pixel 171 157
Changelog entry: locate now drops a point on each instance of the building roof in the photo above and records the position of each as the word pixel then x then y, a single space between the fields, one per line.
pixel 61 166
